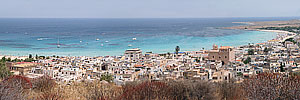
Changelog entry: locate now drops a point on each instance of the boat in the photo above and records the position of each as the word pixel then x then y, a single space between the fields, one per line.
pixel 58 45
pixel 80 41
pixel 39 39
pixel 129 45
pixel 97 39
pixel 106 41
pixel 102 45
pixel 133 38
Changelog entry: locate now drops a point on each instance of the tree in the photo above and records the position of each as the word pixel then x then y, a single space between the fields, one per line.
pixel 97 90
pixel 15 88
pixel 30 55
pixel 168 54
pixel 8 59
pixel 272 86
pixel 266 49
pixel 3 59
pixel 239 74
pixel 282 67
pixel 16 60
pixel 107 77
pixel 177 49
pixel 248 60
pixel 250 52
pixel 4 72
pixel 28 60
pixel 145 91
pixel 230 91
pixel 43 84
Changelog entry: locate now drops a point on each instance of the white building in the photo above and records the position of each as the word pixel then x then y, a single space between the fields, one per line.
pixel 133 55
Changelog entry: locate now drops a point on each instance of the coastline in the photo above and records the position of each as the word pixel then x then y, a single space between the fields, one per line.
pixel 258 30
pixel 189 44
pixel 281 32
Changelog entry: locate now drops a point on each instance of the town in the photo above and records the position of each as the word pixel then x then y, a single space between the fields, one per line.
pixel 221 63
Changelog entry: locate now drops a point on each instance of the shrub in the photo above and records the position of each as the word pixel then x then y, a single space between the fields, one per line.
pixel 4 72
pixel 100 91
pixel 230 91
pixel 271 86
pixel 192 90
pixel 14 88
pixel 168 90
pixel 43 84
pixel 145 91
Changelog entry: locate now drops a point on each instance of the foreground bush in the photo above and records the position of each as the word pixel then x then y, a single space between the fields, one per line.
pixel 171 90
pixel 230 91
pixel 14 88
pixel 145 91
pixel 192 90
pixel 266 86
pixel 101 91
pixel 45 88
pixel 95 90
pixel 43 84
pixel 272 86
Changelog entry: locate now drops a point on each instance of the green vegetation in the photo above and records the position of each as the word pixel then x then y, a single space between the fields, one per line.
pixel 291 40
pixel 267 49
pixel 239 74
pixel 287 28
pixel 250 52
pixel 107 77
pixel 16 60
pixel 282 67
pixel 28 60
pixel 248 60
pixel 4 72
pixel 258 87
pixel 30 55
pixel 177 49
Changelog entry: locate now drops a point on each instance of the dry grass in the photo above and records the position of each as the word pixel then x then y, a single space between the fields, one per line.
pixel 264 86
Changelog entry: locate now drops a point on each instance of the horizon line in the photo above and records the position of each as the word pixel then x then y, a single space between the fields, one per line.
pixel 139 17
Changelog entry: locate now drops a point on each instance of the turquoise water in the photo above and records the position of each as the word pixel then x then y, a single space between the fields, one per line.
pixel 154 44
pixel 78 37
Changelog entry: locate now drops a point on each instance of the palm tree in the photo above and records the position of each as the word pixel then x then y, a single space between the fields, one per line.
pixel 30 55
pixel 177 49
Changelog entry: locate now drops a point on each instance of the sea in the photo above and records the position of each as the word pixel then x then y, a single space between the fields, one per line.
pixel 112 36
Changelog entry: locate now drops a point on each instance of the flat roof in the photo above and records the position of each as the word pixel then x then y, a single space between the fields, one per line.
pixel 134 49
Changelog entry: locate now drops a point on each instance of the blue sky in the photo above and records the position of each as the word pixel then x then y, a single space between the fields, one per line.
pixel 147 8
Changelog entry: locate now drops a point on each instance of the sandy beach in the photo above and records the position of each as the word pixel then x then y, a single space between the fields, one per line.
pixel 262 24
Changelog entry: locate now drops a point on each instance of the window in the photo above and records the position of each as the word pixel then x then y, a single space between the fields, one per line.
pixel 213 56
pixel 225 56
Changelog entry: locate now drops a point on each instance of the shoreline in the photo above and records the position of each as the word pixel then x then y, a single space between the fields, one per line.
pixel 281 32
pixel 259 30
pixel 250 26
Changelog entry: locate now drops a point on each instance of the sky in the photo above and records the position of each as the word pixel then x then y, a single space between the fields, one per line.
pixel 148 8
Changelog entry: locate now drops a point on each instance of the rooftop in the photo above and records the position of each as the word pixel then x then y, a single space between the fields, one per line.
pixel 133 49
